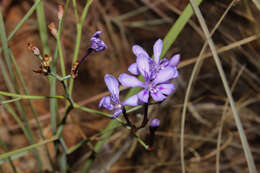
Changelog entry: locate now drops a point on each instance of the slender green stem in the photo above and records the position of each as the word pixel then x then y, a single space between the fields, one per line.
pixel 26 149
pixel 26 91
pixel 35 114
pixel 62 64
pixel 80 23
pixel 16 118
pixel 42 27
pixel 9 101
pixel 53 101
pixel 12 88
pixel 58 38
pixel 9 79
pixel 76 106
pixel 28 96
pixel 9 159
pixel 24 19
pixel 75 9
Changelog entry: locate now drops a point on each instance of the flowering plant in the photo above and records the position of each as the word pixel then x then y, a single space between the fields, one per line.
pixel 157 76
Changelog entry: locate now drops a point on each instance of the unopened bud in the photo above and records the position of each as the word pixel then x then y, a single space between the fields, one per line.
pixel 33 49
pixel 60 12
pixel 155 123
pixel 53 29
pixel 97 44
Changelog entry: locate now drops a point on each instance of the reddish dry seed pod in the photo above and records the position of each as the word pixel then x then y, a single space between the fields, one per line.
pixel 74 72
pixel 45 65
pixel 53 29
pixel 60 12
pixel 46 61
pixel 33 49
pixel 42 70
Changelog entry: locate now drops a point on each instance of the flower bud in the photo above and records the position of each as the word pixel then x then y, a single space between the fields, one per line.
pixel 155 123
pixel 96 43
pixel 60 12
pixel 33 49
pixel 53 29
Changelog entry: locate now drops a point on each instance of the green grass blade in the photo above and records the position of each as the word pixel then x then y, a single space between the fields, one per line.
pixel 177 27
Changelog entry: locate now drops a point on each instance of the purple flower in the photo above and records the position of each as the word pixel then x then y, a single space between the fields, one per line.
pixel 113 102
pixel 155 64
pixel 96 43
pixel 155 123
pixel 158 87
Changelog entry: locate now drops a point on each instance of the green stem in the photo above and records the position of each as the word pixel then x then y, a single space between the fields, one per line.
pixel 11 88
pixel 28 96
pixel 9 101
pixel 42 27
pixel 26 149
pixel 80 23
pixel 9 159
pixel 24 19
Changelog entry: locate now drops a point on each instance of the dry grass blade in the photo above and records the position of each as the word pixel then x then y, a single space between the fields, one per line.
pixel 223 117
pixel 248 154
pixel 193 77
pixel 257 3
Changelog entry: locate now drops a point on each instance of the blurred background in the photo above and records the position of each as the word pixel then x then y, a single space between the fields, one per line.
pixel 123 24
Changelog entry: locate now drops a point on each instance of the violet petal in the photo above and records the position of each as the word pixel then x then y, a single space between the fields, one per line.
pixel 132 101
pixel 139 50
pixel 155 123
pixel 116 113
pixel 166 89
pixel 106 103
pixel 112 85
pixel 157 50
pixel 133 69
pixel 164 75
pixel 129 81
pixel 158 96
pixel 174 61
pixel 176 73
pixel 143 65
pixel 143 95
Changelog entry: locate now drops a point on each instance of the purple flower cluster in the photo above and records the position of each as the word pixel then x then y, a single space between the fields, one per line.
pixel 157 75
